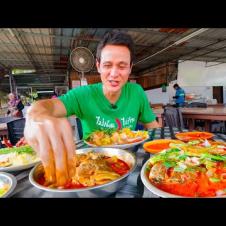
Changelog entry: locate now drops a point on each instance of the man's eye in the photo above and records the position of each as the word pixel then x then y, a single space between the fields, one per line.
pixel 122 67
pixel 107 66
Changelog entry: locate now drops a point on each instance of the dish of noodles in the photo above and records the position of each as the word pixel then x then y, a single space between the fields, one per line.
pixel 123 138
pixel 187 136
pixel 17 158
pixel 93 168
pixel 193 169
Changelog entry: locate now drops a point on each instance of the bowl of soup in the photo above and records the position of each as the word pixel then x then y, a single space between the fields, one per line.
pixel 99 172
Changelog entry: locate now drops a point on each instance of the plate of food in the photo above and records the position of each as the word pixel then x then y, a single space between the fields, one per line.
pixel 188 170
pixel 17 158
pixel 99 172
pixel 7 184
pixel 124 138
pixel 156 146
pixel 187 136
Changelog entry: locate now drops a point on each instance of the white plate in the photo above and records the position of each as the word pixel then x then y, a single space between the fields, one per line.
pixel 120 146
pixel 18 168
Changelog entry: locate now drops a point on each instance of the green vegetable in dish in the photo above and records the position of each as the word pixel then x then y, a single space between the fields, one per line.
pixel 213 157
pixel 22 149
pixel 214 179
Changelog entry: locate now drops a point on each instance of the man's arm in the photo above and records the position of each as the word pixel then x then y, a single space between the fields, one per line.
pixel 151 125
pixel 50 107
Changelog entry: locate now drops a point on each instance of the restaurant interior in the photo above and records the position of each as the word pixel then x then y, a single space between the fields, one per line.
pixel 45 63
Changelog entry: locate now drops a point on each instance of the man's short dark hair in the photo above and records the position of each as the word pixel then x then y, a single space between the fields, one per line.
pixel 116 38
pixel 175 86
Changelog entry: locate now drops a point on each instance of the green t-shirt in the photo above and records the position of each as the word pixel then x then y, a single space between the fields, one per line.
pixel 95 111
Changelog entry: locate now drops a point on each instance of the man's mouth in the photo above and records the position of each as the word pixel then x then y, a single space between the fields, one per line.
pixel 114 83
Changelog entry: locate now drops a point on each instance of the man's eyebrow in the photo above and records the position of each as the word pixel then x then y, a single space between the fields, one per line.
pixel 123 62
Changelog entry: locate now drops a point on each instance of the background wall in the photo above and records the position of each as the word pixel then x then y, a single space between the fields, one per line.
pixel 198 73
pixel 157 96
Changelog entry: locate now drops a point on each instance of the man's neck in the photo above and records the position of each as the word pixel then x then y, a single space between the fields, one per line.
pixel 111 96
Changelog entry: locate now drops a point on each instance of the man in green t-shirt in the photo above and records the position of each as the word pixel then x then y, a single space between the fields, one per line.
pixel 114 103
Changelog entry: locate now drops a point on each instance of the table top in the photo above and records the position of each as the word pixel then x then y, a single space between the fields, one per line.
pixel 133 188
pixel 158 111
pixel 206 111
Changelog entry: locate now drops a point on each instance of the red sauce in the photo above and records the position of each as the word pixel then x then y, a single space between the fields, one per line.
pixel 120 167
pixel 158 146
pixel 200 187
pixel 193 135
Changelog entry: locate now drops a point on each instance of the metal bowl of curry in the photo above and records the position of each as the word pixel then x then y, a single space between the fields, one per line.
pixel 125 157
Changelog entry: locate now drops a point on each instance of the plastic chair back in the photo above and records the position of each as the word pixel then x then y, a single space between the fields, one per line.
pixel 173 117
pixel 16 130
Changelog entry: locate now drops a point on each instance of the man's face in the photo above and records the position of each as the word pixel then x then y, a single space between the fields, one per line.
pixel 114 67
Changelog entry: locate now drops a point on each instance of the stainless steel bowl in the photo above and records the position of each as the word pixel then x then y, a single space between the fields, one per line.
pixel 7 178
pixel 92 192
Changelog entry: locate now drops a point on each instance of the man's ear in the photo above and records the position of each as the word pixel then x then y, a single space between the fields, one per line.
pixel 98 65
pixel 131 67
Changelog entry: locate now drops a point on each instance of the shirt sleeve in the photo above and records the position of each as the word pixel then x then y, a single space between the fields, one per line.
pixel 71 102
pixel 146 113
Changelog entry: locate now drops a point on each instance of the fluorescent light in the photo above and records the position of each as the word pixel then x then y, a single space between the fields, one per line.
pixel 45 91
pixel 22 71
pixel 175 43
pixel 190 36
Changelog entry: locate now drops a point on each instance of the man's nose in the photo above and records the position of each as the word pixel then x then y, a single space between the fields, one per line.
pixel 114 72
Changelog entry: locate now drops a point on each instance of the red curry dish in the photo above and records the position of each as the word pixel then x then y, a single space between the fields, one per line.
pixel 158 145
pixel 187 136
pixel 91 169
pixel 190 170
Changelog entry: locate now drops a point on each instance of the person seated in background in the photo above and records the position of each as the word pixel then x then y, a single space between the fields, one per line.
pixel 15 106
pixel 179 96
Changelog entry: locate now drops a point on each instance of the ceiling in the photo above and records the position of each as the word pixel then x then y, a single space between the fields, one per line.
pixel 47 50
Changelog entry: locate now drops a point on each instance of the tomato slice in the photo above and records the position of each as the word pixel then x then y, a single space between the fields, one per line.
pixel 120 167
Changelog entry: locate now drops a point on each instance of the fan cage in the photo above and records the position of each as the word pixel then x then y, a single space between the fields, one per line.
pixel 82 59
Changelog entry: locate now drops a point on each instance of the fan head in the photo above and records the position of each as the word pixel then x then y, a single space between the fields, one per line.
pixel 82 59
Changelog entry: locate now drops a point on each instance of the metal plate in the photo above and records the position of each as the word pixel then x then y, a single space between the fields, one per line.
pixel 8 179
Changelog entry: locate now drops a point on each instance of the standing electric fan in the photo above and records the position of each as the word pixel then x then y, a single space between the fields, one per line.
pixel 82 60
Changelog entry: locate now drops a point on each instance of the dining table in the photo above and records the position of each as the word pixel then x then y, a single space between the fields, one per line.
pixel 207 114
pixel 133 187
